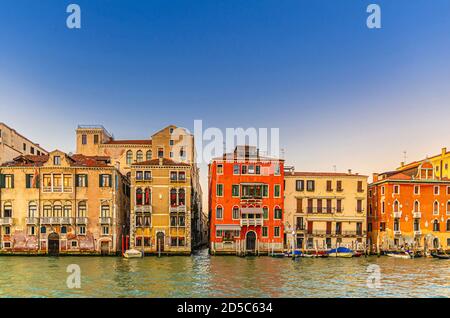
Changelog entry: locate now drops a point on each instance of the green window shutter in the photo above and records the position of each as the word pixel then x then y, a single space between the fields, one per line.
pixel 28 181
pixel 100 180
pixel 2 181
pixel 87 179
pixel 12 181
pixel 38 182
pixel 110 180
pixel 76 180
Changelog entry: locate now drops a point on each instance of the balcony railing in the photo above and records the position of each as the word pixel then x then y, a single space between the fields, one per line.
pixel 321 210
pixel 105 220
pixel 66 220
pixel 252 222
pixel 143 209
pixel 82 220
pixel 417 215
pixel 336 233
pixel 397 215
pixel 6 221
pixel 177 209
pixel 46 220
pixel 32 220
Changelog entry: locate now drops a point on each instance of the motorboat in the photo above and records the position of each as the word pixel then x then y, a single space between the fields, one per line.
pixel 404 255
pixel 132 254
pixel 341 252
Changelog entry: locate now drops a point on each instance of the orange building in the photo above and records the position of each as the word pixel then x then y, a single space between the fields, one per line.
pixel 246 203
pixel 409 208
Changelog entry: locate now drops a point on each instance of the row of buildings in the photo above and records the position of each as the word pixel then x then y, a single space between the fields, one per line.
pixel 109 196
pixel 145 194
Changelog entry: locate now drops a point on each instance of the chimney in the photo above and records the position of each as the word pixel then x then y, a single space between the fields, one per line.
pixel 402 164
pixel 349 171
pixel 161 161
pixel 444 151
pixel 374 177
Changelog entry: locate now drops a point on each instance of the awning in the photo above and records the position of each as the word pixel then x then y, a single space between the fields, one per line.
pixel 228 227
pixel 251 210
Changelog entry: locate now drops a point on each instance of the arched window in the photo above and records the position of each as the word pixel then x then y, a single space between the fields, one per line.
pixel 129 157
pixel 436 207
pixel 181 197
pixel 173 197
pixel 139 156
pixel 67 210
pixel 436 226
pixel 148 155
pixel 47 210
pixel 416 206
pixel 448 225
pixel 219 212
pixel 396 205
pixel 57 209
pixel 82 209
pixel 147 198
pixel 278 213
pixel 139 198
pixel 235 213
pixel 32 210
pixel 105 211
pixel 7 210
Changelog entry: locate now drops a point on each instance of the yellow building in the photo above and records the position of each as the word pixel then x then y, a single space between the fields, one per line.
pixel 13 144
pixel 440 162
pixel 325 210
pixel 64 204
pixel 161 206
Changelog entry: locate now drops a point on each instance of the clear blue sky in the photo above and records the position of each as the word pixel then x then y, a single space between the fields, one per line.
pixel 341 94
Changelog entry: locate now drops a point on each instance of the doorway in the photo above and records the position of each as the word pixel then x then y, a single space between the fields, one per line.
pixel 104 248
pixel 250 241
pixel 160 242
pixel 53 244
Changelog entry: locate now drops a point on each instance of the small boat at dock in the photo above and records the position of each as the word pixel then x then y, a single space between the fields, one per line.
pixel 132 254
pixel 341 252
pixel 404 255
pixel 441 256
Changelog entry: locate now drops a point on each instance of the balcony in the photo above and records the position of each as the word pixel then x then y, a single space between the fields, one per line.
pixel 397 215
pixel 177 209
pixel 397 232
pixel 252 222
pixel 32 221
pixel 143 209
pixel 105 220
pixel 46 220
pixel 81 220
pixel 417 215
pixel 66 220
pixel 6 221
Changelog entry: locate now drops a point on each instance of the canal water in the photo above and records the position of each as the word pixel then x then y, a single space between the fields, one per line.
pixel 201 275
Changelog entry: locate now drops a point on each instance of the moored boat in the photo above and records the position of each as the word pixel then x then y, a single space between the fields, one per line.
pixel 132 254
pixel 404 255
pixel 340 252
pixel 441 256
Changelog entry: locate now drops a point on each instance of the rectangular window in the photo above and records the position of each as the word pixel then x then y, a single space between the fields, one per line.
pixel 278 214
pixel 299 205
pixel 235 214
pixel 160 153
pixel 82 180
pixel 448 190
pixel 359 207
pixel 171 142
pixel 258 169
pixel 57 160
pixel 339 205
pixel 276 231
pixel 105 230
pixel 299 185
pixel 360 186
pixel 139 175
pixel 382 190
pixel 7 181
pixel 310 185
pixel 219 169
pixel 265 190
pixel 95 139
pixel 339 186
pixel 277 191
pixel 235 190
pixel 251 169
pixel 382 207
pixel 265 231
pixel 417 190
pixel 329 186
pixel 219 190
pixel 436 190
pixel 265 213
pixel 396 189
pixel 235 169
pixel 32 150
pixel 82 230
pixel 244 169
pixel 105 181
pixel 24 147
pixel 83 139
pixel 147 175
pixel 219 213
pixel 276 169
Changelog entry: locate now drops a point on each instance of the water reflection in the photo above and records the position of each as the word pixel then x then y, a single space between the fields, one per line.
pixel 203 276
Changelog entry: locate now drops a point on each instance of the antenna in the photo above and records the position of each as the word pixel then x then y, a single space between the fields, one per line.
pixel 282 153
pixel 334 168
pixel 404 156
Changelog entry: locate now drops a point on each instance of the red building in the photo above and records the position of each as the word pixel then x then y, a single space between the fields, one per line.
pixel 246 208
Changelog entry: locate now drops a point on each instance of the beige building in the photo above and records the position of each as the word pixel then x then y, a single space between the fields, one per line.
pixel 13 144
pixel 172 143
pixel 64 204
pixel 162 206
pixel 325 210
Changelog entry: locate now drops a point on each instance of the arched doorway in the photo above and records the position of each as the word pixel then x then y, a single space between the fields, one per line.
pixel 160 242
pixel 104 248
pixel 53 244
pixel 250 241
pixel 436 242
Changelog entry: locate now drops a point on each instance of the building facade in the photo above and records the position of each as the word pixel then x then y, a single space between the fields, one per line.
pixel 325 210
pixel 246 204
pixel 61 204
pixel 161 207
pixel 13 144
pixel 409 208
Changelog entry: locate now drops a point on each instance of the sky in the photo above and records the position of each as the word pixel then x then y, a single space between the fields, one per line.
pixel 343 96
